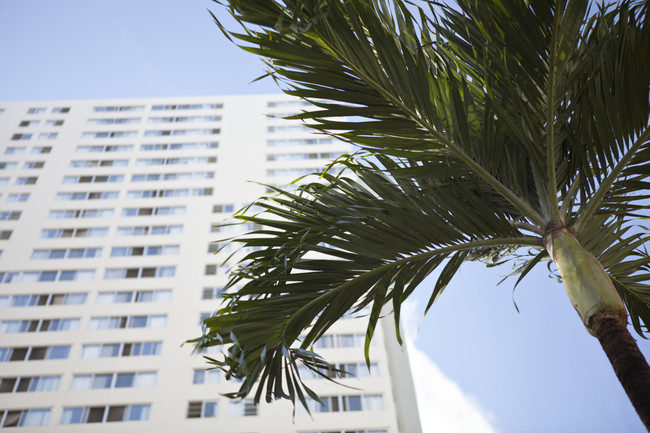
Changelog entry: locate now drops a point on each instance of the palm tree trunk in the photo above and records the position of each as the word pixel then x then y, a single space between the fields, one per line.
pixel 603 313
pixel 629 364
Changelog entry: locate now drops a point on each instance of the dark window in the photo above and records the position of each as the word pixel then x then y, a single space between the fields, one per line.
pixel 115 413
pixel 7 384
pixel 194 409
pixel 96 414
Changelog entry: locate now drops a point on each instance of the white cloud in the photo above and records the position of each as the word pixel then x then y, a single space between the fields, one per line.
pixel 443 405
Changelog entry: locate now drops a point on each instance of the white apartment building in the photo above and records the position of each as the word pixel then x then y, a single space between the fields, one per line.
pixel 107 265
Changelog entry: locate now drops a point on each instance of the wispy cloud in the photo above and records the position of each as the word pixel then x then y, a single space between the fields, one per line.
pixel 443 405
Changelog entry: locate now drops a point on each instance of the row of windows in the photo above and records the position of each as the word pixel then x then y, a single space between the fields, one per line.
pixel 43 276
pixel 186 107
pixel 39 110
pixel 345 370
pixel 181 192
pixel 109 134
pixel 43 300
pixel 180 146
pixel 27 165
pixel 18 197
pixel 123 231
pixel 114 121
pixel 114 297
pixel 33 353
pixel 24 417
pixel 96 195
pixel 346 403
pixel 106 148
pixel 30 123
pixel 113 380
pixel 89 163
pixel 292 171
pixel 30 384
pixel 77 253
pixel 112 350
pixel 172 176
pixel 301 156
pixel 123 322
pixel 86 274
pixel 38 325
pixel 41 136
pixel 184 119
pixel 208 409
pixel 96 414
pixel 153 211
pixel 20 150
pixel 93 179
pixel 341 340
pixel 175 132
pixel 9 215
pixel 298 142
pixel 80 213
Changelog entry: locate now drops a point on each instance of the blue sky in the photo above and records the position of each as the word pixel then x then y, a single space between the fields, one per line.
pixel 533 371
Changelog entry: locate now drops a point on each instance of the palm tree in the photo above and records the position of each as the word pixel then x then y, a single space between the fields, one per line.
pixel 485 131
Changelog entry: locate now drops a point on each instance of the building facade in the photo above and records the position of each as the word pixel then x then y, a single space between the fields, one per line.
pixel 109 210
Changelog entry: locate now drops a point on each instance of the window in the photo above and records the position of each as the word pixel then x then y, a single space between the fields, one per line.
pixel 5 235
pixel 201 377
pixel 93 179
pixel 38 325
pixel 43 300
pixel 46 276
pixel 4 181
pixel 29 384
pixel 177 161
pixel 158 193
pixel 80 213
pixel 95 149
pixel 28 123
pixel 346 403
pixel 21 137
pixel 98 195
pixel 92 232
pixel 151 211
pixel 33 164
pixel 15 150
pixel 122 322
pixel 26 180
pixel 38 110
pixel 213 248
pixel 113 380
pixel 149 230
pixel 9 215
pixel 110 109
pixel 154 177
pixel 114 121
pixel 293 172
pixel 8 165
pixel 186 107
pixel 180 146
pixel 48 135
pixel 18 197
pixel 99 163
pixel 174 132
pixel 66 253
pixel 211 269
pixel 109 350
pixel 94 414
pixel 202 409
pixel 134 296
pixel 54 122
pixel 41 149
pixel 159 272
pixel 24 417
pixel 242 408
pixel 61 110
pixel 34 353
pixel 288 103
